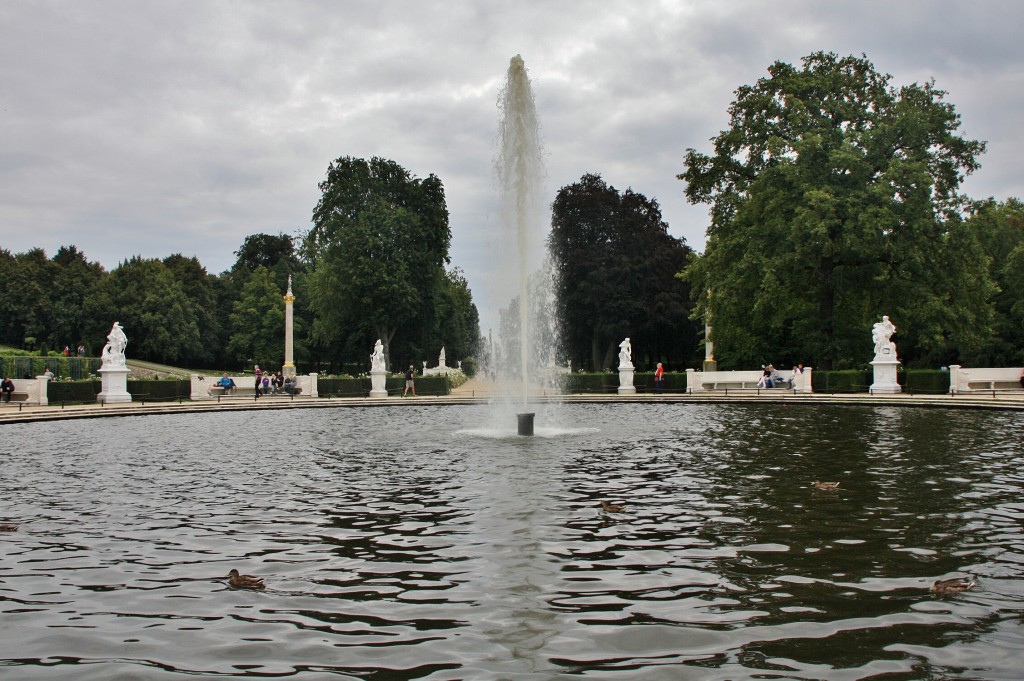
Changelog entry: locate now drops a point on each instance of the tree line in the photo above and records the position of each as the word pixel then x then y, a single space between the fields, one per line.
pixel 374 265
pixel 834 198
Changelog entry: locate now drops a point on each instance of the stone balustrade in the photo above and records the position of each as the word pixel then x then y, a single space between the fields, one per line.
pixel 983 379
pixel 704 381
pixel 208 388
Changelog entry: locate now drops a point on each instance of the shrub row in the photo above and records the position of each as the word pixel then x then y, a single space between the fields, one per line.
pixel 920 381
pixel 27 366
pixel 141 391
pixel 395 385
pixel 608 382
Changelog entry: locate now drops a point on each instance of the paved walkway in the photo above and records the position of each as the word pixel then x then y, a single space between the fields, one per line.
pixel 477 391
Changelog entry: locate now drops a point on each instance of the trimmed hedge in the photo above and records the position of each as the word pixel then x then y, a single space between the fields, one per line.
pixel 926 381
pixel 843 381
pixel 58 392
pixel 608 382
pixel 75 368
pixel 159 391
pixel 141 391
pixel 395 385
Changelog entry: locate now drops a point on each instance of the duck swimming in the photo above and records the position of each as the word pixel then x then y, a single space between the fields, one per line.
pixel 244 581
pixel 825 485
pixel 942 587
pixel 611 508
pixel 8 528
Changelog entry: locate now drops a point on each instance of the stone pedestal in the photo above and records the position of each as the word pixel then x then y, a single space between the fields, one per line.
pixel 885 376
pixel 710 365
pixel 626 380
pixel 378 381
pixel 115 385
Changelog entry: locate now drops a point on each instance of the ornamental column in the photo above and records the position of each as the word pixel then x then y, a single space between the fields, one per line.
pixel 289 359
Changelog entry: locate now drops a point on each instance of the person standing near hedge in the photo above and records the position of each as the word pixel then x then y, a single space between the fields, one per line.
pixel 410 384
pixel 659 378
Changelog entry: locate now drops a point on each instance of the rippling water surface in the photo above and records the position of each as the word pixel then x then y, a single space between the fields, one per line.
pixel 425 543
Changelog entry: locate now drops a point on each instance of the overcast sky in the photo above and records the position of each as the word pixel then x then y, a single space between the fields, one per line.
pixel 139 127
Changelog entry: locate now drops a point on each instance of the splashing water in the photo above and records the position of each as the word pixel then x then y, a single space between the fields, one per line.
pixel 520 170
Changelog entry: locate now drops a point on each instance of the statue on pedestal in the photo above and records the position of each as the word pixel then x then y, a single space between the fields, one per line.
pixel 113 351
pixel 625 353
pixel 377 358
pixel 881 333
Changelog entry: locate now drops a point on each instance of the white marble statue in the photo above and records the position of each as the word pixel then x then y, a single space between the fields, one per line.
pixel 625 353
pixel 440 359
pixel 377 358
pixel 113 351
pixel 881 332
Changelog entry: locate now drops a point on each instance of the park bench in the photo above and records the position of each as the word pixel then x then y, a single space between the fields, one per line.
pixel 702 381
pixel 984 379
pixel 248 391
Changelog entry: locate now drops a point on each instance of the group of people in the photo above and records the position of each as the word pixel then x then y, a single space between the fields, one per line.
pixel 770 376
pixel 267 383
pixel 272 384
pixel 81 350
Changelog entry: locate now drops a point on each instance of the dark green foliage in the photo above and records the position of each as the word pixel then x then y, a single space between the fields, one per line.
pixel 257 322
pixel 469 366
pixel 379 247
pixel 841 381
pixel 73 392
pixel 924 381
pixel 615 277
pixel 834 199
pixel 395 385
pixel 584 384
pixel 159 390
pixel 150 302
pixel 596 383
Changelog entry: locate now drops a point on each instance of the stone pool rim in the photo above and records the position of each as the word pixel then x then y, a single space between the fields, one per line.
pixel 14 413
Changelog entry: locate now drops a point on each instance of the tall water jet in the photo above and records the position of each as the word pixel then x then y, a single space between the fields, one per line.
pixel 520 172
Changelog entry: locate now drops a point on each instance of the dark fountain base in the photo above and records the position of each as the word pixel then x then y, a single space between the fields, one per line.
pixel 525 424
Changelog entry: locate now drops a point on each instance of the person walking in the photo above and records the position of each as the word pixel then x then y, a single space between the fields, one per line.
pixel 410 384
pixel 659 378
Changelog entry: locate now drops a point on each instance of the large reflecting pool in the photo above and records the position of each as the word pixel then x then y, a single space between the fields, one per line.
pixel 421 543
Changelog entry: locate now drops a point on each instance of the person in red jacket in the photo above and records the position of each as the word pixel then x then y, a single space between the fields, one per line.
pixel 659 378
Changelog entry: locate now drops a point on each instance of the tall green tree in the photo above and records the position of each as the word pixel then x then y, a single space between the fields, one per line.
pixel 379 245
pixel 835 199
pixel 257 322
pixel 75 278
pixel 200 288
pixel 26 298
pixel 1000 227
pixel 158 316
pixel 615 276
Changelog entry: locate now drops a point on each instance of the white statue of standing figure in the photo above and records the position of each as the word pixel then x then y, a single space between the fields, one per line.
pixel 625 353
pixel 440 359
pixel 881 332
pixel 113 351
pixel 377 358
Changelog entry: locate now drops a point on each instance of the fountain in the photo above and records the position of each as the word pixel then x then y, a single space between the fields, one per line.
pixel 519 169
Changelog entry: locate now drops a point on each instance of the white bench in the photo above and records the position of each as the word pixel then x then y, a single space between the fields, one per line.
pixel 209 388
pixel 703 381
pixel 30 391
pixel 984 379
